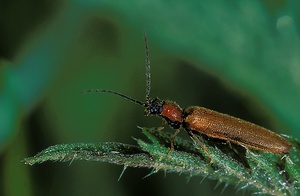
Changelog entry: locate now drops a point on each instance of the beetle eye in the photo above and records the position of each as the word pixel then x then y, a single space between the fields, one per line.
pixel 154 106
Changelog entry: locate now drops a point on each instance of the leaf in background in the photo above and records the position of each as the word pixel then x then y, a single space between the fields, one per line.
pixel 237 41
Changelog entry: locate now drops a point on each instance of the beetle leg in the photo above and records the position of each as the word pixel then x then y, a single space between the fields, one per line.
pixel 229 144
pixel 162 126
pixel 196 139
pixel 172 142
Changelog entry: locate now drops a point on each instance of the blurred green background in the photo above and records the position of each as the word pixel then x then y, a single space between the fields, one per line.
pixel 241 58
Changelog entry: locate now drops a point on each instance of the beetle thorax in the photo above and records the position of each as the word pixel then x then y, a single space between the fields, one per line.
pixel 173 114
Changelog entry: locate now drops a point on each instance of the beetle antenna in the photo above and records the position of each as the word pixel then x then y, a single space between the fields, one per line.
pixel 116 93
pixel 148 74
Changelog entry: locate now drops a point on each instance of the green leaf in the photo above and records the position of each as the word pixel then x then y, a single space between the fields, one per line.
pixel 263 173
pixel 111 152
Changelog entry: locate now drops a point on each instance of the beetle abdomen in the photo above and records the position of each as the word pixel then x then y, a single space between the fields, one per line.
pixel 225 127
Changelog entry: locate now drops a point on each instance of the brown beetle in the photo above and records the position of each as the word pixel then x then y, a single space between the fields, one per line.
pixel 204 121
